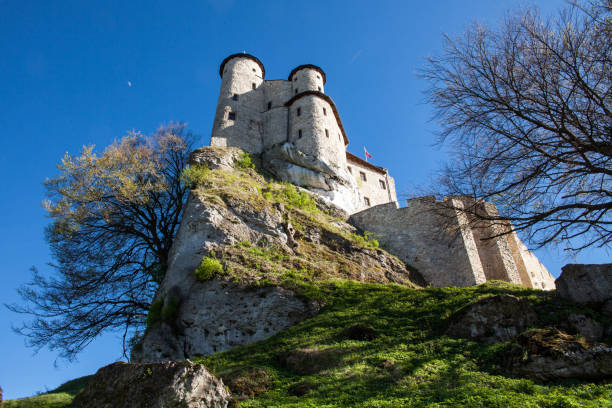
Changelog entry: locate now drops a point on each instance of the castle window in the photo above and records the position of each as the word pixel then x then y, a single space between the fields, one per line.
pixel 235 97
pixel 319 88
pixel 231 116
pixel 300 134
pixel 350 169
pixel 254 85
pixel 269 105
pixel 324 112
pixel 363 176
pixel 254 70
pixel 366 200
pixel 381 184
pixel 339 137
pixel 326 132
pixel 318 77
pixel 299 111
pixel 296 91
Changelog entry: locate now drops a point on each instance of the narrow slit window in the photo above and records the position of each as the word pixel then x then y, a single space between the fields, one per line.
pixel 296 91
pixel 254 70
pixel 339 137
pixel 367 201
pixel 300 134
pixel 324 112
pixel 254 85
pixel 326 132
pixel 363 176
pixel 299 111
pixel 350 169
pixel 231 116
pixel 319 88
pixel 269 105
pixel 382 184
pixel 235 97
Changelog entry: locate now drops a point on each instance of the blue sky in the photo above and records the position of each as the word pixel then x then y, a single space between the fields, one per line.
pixel 65 74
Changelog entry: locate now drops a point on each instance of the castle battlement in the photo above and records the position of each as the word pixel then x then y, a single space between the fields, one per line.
pixel 298 131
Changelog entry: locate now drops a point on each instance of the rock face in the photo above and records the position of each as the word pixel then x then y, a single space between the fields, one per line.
pixel 493 320
pixel 216 316
pixel 549 354
pixel 256 239
pixel 156 385
pixel 586 284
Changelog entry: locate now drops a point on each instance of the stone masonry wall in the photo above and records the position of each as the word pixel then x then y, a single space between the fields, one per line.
pixel 448 249
pixel 371 188
pixel 275 118
pixel 441 252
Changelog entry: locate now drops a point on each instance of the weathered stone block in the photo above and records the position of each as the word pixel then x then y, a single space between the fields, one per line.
pixel 493 320
pixel 586 283
pixel 155 385
pixel 549 354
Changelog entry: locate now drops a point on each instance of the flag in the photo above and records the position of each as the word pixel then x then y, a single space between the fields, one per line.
pixel 367 155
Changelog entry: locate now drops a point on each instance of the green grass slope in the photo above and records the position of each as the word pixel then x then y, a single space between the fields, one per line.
pixel 409 364
pixel 62 396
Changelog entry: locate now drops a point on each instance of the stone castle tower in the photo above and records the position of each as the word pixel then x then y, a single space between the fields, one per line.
pixel 298 130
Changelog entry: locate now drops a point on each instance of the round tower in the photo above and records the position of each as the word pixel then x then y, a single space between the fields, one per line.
pixel 238 120
pixel 307 78
pixel 315 127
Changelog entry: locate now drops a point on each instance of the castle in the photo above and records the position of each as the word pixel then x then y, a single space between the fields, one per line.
pixel 296 130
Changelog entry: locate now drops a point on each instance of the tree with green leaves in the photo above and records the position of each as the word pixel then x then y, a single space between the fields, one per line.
pixel 114 217
pixel 526 109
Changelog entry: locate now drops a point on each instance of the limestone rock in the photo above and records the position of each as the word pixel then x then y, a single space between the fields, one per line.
pixel 222 158
pixel 587 284
pixel 549 354
pixel 155 385
pixel 253 238
pixel 216 316
pixel 493 320
pixel 583 325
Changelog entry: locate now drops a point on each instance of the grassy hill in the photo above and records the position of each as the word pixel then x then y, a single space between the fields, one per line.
pixel 405 360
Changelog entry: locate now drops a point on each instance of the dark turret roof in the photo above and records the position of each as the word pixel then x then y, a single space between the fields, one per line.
pixel 310 66
pixel 243 55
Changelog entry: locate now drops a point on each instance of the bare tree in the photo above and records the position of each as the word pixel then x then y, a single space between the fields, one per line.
pixel 114 218
pixel 525 109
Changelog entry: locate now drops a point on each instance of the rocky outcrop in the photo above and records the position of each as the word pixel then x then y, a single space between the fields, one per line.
pixel 586 284
pixel 268 238
pixel 335 184
pixel 493 320
pixel 155 385
pixel 216 315
pixel 549 354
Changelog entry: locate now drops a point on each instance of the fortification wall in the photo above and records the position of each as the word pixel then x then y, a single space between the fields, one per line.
pixel 442 251
pixel 275 119
pixel 238 120
pixel 448 248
